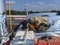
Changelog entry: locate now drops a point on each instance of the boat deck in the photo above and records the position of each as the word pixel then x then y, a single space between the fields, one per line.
pixel 53 41
pixel 19 38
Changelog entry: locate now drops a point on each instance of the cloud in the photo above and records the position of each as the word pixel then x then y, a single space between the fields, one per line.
pixel 40 6
pixel 50 6
pixel 26 4
pixel 36 6
pixel 41 3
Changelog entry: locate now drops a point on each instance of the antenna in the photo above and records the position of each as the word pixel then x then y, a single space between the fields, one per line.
pixel 25 8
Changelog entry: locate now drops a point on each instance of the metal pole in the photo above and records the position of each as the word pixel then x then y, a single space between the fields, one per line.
pixel 9 11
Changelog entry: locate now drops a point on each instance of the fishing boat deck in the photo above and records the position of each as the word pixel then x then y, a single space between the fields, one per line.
pixel 19 38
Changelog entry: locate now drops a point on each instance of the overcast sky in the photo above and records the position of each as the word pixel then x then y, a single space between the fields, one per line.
pixel 35 5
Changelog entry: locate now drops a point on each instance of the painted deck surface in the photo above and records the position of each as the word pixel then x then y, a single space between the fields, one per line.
pixel 19 39
pixel 53 41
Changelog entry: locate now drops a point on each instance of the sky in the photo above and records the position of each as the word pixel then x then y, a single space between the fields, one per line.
pixel 35 5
